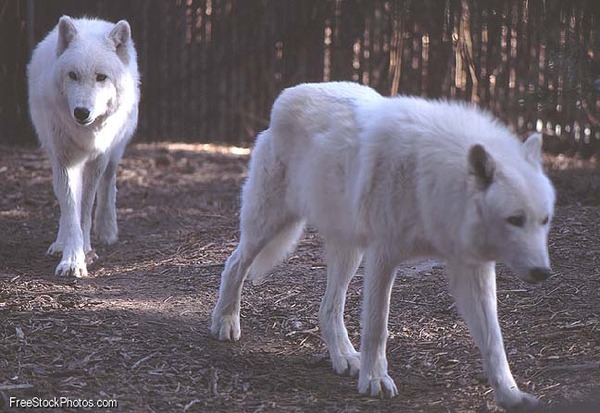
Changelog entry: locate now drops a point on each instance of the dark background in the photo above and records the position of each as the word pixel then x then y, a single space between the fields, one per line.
pixel 212 68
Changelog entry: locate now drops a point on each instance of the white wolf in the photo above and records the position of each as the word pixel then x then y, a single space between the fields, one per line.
pixel 83 99
pixel 393 179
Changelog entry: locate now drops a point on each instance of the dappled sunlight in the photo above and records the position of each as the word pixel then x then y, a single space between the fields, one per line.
pixel 208 148
pixel 195 148
pixel 14 213
pixel 563 162
pixel 577 179
pixel 166 306
pixel 157 168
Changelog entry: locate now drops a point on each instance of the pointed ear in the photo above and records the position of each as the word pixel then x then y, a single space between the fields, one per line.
pixel 120 35
pixel 66 33
pixel 482 166
pixel 532 148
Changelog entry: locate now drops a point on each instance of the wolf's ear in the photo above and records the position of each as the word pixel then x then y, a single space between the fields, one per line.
pixel 532 148
pixel 482 166
pixel 66 33
pixel 120 35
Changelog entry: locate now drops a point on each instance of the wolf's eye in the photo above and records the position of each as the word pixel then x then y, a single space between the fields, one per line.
pixel 100 77
pixel 73 75
pixel 545 220
pixel 516 220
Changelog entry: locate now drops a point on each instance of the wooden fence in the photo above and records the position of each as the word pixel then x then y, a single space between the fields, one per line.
pixel 212 68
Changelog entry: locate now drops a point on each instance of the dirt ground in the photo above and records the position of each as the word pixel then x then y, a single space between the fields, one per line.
pixel 136 331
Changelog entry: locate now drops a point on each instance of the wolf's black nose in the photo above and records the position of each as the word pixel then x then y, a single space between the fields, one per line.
pixel 540 273
pixel 81 114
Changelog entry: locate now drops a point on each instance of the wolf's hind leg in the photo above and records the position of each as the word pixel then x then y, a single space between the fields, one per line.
pixel 342 264
pixel 226 314
pixel 105 217
pixel 269 231
pixel 261 249
pixel 92 171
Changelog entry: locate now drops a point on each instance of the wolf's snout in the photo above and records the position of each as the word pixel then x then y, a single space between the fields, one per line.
pixel 538 274
pixel 82 115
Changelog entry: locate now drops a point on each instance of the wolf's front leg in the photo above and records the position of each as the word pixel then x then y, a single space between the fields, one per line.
pixel 474 289
pixel 67 187
pixel 378 280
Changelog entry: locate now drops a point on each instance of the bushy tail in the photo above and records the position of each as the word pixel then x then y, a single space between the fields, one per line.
pixel 265 217
pixel 276 250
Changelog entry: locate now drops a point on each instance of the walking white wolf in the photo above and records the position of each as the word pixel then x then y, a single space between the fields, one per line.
pixel 393 179
pixel 83 99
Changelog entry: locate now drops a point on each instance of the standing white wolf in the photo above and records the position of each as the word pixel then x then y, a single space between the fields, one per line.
pixel 393 179
pixel 83 99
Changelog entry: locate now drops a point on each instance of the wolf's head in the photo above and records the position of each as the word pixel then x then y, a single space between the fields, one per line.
pixel 91 68
pixel 515 203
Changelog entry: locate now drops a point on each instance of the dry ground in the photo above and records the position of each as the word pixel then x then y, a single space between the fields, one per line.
pixel 137 330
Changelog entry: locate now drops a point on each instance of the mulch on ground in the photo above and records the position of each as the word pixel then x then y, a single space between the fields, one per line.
pixel 136 331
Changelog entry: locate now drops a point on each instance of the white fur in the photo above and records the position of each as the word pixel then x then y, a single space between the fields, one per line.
pixel 65 85
pixel 391 179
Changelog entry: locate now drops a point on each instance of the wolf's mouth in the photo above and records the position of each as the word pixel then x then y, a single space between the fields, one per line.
pixel 86 122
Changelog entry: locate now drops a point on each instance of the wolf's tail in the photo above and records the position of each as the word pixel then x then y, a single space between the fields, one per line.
pixel 276 250
pixel 269 228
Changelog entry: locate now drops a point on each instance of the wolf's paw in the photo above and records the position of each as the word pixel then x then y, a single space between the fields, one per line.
pixel 90 257
pixel 346 364
pixel 108 237
pixel 517 401
pixel 382 386
pixel 106 230
pixel 55 249
pixel 226 327
pixel 72 268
